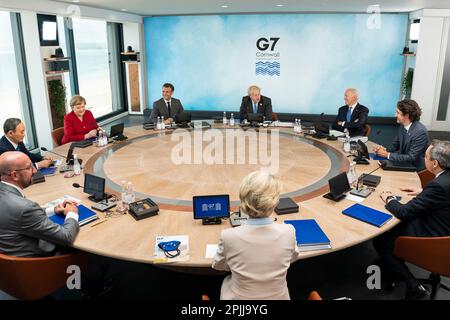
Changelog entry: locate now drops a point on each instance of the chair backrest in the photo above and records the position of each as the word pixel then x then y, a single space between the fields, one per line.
pixel 274 116
pixel 35 278
pixel 425 177
pixel 57 136
pixel 367 130
pixel 429 253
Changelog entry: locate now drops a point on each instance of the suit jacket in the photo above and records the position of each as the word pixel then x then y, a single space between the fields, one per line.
pixel 74 129
pixel 258 257
pixel 264 107
pixel 410 146
pixel 25 230
pixel 357 121
pixel 5 146
pixel 428 214
pixel 160 109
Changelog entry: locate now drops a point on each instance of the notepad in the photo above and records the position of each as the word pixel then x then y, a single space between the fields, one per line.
pixel 366 214
pixel 374 156
pixel 309 235
pixel 85 215
pixel 50 171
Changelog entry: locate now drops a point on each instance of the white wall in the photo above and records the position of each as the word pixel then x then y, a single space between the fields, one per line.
pixel 38 86
pixel 429 65
pixel 69 9
pixel 35 54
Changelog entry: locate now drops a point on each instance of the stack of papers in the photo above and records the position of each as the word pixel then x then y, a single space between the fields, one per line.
pixel 309 235
pixel 61 200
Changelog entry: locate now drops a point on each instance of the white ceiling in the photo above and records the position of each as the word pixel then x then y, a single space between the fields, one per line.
pixel 172 7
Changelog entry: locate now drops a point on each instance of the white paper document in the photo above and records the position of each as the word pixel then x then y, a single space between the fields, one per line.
pixel 211 250
pixel 354 198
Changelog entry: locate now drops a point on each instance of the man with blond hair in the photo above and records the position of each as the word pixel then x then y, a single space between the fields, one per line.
pixel 254 102
pixel 353 116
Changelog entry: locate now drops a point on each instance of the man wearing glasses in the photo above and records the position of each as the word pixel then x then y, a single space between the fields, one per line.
pixel 25 230
pixel 14 130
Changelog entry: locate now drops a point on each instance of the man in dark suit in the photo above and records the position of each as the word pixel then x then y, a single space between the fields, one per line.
pixel 13 141
pixel 167 107
pixel 426 215
pixel 352 116
pixel 25 230
pixel 412 138
pixel 256 103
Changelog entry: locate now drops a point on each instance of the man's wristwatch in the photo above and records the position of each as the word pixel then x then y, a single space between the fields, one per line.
pixel 389 198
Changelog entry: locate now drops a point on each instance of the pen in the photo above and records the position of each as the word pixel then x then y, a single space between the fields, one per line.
pixel 96 224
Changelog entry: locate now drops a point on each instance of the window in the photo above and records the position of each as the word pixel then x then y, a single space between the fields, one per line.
pixel 92 59
pixel 13 78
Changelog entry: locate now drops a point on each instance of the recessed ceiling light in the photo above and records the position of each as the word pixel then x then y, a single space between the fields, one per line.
pixel 76 1
pixel 280 5
pixel 123 9
pixel 224 6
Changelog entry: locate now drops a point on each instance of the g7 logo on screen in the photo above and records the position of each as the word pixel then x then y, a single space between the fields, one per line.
pixel 263 43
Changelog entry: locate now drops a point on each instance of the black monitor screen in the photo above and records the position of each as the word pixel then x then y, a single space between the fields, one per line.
pixel 94 185
pixel 322 127
pixel 216 206
pixel 362 148
pixel 183 117
pixel 116 130
pixel 339 185
pixel 69 157
pixel 255 117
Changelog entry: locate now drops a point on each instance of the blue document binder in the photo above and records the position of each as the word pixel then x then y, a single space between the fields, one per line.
pixel 48 171
pixel 366 214
pixel 373 156
pixel 309 235
pixel 85 215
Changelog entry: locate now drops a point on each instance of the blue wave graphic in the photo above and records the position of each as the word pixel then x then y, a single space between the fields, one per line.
pixel 267 68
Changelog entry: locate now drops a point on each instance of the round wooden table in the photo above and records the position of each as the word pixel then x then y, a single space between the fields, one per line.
pixel 157 165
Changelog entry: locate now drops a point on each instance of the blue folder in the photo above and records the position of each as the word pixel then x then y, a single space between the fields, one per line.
pixel 47 171
pixel 366 214
pixel 309 233
pixel 85 215
pixel 374 156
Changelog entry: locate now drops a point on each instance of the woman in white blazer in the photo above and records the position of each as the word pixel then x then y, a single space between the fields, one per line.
pixel 258 253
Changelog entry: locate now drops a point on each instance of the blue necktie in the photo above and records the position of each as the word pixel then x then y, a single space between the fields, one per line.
pixel 349 114
pixel 254 107
pixel 17 148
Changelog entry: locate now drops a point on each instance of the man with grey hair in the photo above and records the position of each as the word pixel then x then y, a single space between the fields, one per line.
pixel 25 230
pixel 352 116
pixel 426 215
pixel 14 130
pixel 254 102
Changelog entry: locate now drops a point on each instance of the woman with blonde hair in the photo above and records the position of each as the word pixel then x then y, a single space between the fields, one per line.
pixel 258 253
pixel 79 124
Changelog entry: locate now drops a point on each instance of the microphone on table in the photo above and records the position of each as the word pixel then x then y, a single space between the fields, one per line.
pixel 46 150
pixel 365 192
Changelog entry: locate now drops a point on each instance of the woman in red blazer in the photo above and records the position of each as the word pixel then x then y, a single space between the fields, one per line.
pixel 80 123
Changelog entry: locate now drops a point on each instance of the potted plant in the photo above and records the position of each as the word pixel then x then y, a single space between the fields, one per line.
pixel 57 95
pixel 407 84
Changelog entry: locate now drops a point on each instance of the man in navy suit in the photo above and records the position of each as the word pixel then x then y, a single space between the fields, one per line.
pixel 13 141
pixel 426 215
pixel 352 116
pixel 412 138
pixel 256 103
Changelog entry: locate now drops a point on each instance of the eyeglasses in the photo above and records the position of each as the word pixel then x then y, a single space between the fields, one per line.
pixel 169 247
pixel 27 168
